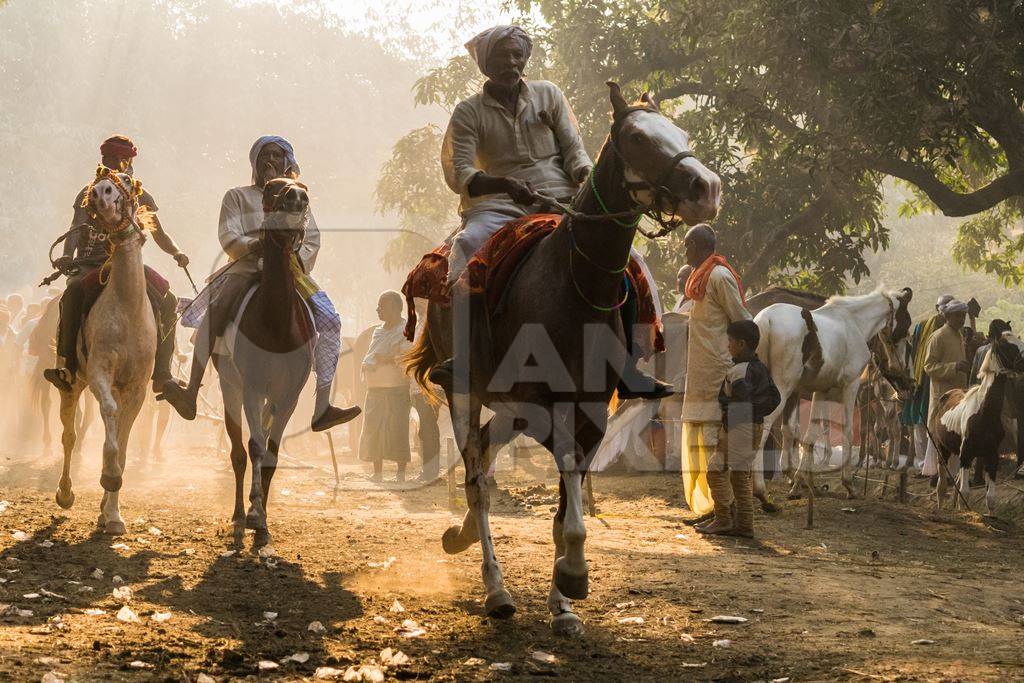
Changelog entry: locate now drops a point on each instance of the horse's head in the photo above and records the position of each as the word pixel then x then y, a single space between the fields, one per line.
pixel 890 349
pixel 112 199
pixel 1007 354
pixel 660 170
pixel 286 211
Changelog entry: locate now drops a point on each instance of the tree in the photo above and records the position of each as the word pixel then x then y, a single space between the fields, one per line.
pixel 805 107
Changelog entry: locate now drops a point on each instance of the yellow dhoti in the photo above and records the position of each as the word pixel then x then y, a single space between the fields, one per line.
pixel 700 439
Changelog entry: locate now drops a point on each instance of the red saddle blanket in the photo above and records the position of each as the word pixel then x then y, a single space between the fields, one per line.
pixel 156 287
pixel 493 267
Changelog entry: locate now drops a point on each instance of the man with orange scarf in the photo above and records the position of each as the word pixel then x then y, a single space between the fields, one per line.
pixel 717 295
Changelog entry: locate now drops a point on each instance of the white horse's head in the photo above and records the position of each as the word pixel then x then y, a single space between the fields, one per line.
pixel 659 163
pixel 113 198
pixel 891 351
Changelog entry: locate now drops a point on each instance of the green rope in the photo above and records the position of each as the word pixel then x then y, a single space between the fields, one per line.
pixel 593 186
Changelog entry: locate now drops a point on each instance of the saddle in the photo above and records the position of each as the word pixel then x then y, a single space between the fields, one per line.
pixel 494 267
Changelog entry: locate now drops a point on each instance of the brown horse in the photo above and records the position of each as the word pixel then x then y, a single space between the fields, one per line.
pixel 549 363
pixel 269 359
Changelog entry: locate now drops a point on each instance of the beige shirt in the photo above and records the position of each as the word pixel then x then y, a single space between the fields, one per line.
pixel 381 367
pixel 540 145
pixel 945 349
pixel 241 215
pixel 708 358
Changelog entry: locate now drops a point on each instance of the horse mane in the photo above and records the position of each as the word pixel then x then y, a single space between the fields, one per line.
pixel 955 419
pixel 145 219
pixel 854 300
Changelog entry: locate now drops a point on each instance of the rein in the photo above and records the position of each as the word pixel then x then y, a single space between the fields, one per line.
pixel 629 219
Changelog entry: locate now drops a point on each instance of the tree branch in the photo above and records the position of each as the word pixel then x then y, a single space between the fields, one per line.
pixel 772 242
pixel 950 202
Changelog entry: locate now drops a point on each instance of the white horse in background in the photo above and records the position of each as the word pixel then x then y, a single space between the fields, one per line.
pixel 120 334
pixel 824 352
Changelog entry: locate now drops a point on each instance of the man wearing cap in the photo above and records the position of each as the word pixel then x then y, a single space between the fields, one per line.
pixel 86 247
pixel 241 218
pixel 915 411
pixel 946 363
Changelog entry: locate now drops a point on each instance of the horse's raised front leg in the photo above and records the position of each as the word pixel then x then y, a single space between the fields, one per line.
pixel 68 415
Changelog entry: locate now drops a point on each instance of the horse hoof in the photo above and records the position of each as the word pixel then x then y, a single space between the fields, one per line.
pixel 254 521
pixel 567 625
pixel 261 538
pixel 499 604
pixel 452 540
pixel 769 506
pixel 572 586
pixel 114 528
pixel 65 500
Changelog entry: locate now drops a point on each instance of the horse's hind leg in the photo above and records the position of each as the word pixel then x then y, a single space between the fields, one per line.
pixel 68 415
pixel 459 537
pixel 849 402
pixel 498 602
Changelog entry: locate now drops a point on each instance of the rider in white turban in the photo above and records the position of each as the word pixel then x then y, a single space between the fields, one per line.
pixel 946 363
pixel 481 45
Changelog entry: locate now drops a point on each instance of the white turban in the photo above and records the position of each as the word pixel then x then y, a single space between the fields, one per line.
pixel 289 154
pixel 954 306
pixel 943 300
pixel 481 45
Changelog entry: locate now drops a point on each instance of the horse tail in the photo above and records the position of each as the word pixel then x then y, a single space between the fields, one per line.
pixel 810 350
pixel 419 360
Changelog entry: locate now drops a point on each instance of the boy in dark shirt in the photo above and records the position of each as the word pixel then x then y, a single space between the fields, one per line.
pixel 747 396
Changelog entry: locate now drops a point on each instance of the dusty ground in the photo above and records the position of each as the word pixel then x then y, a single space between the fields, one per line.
pixel 844 601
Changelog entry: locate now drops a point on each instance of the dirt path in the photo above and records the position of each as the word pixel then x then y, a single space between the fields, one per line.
pixel 845 601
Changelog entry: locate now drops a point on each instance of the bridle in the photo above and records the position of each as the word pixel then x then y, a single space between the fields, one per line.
pixel 128 225
pixel 659 190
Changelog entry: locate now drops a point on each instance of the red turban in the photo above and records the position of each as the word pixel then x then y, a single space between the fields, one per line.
pixel 118 147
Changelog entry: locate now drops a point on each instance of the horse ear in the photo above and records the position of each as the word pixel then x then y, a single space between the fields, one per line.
pixel 619 104
pixel 648 99
pixel 906 295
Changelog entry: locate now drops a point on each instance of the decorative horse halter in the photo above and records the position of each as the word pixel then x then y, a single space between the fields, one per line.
pixel 127 226
pixel 659 191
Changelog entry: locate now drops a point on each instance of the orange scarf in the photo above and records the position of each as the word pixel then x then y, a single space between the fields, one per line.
pixel 697 285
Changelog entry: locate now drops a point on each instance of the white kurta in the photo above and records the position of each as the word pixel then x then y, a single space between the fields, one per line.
pixel 707 347
pixel 381 366
pixel 241 216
